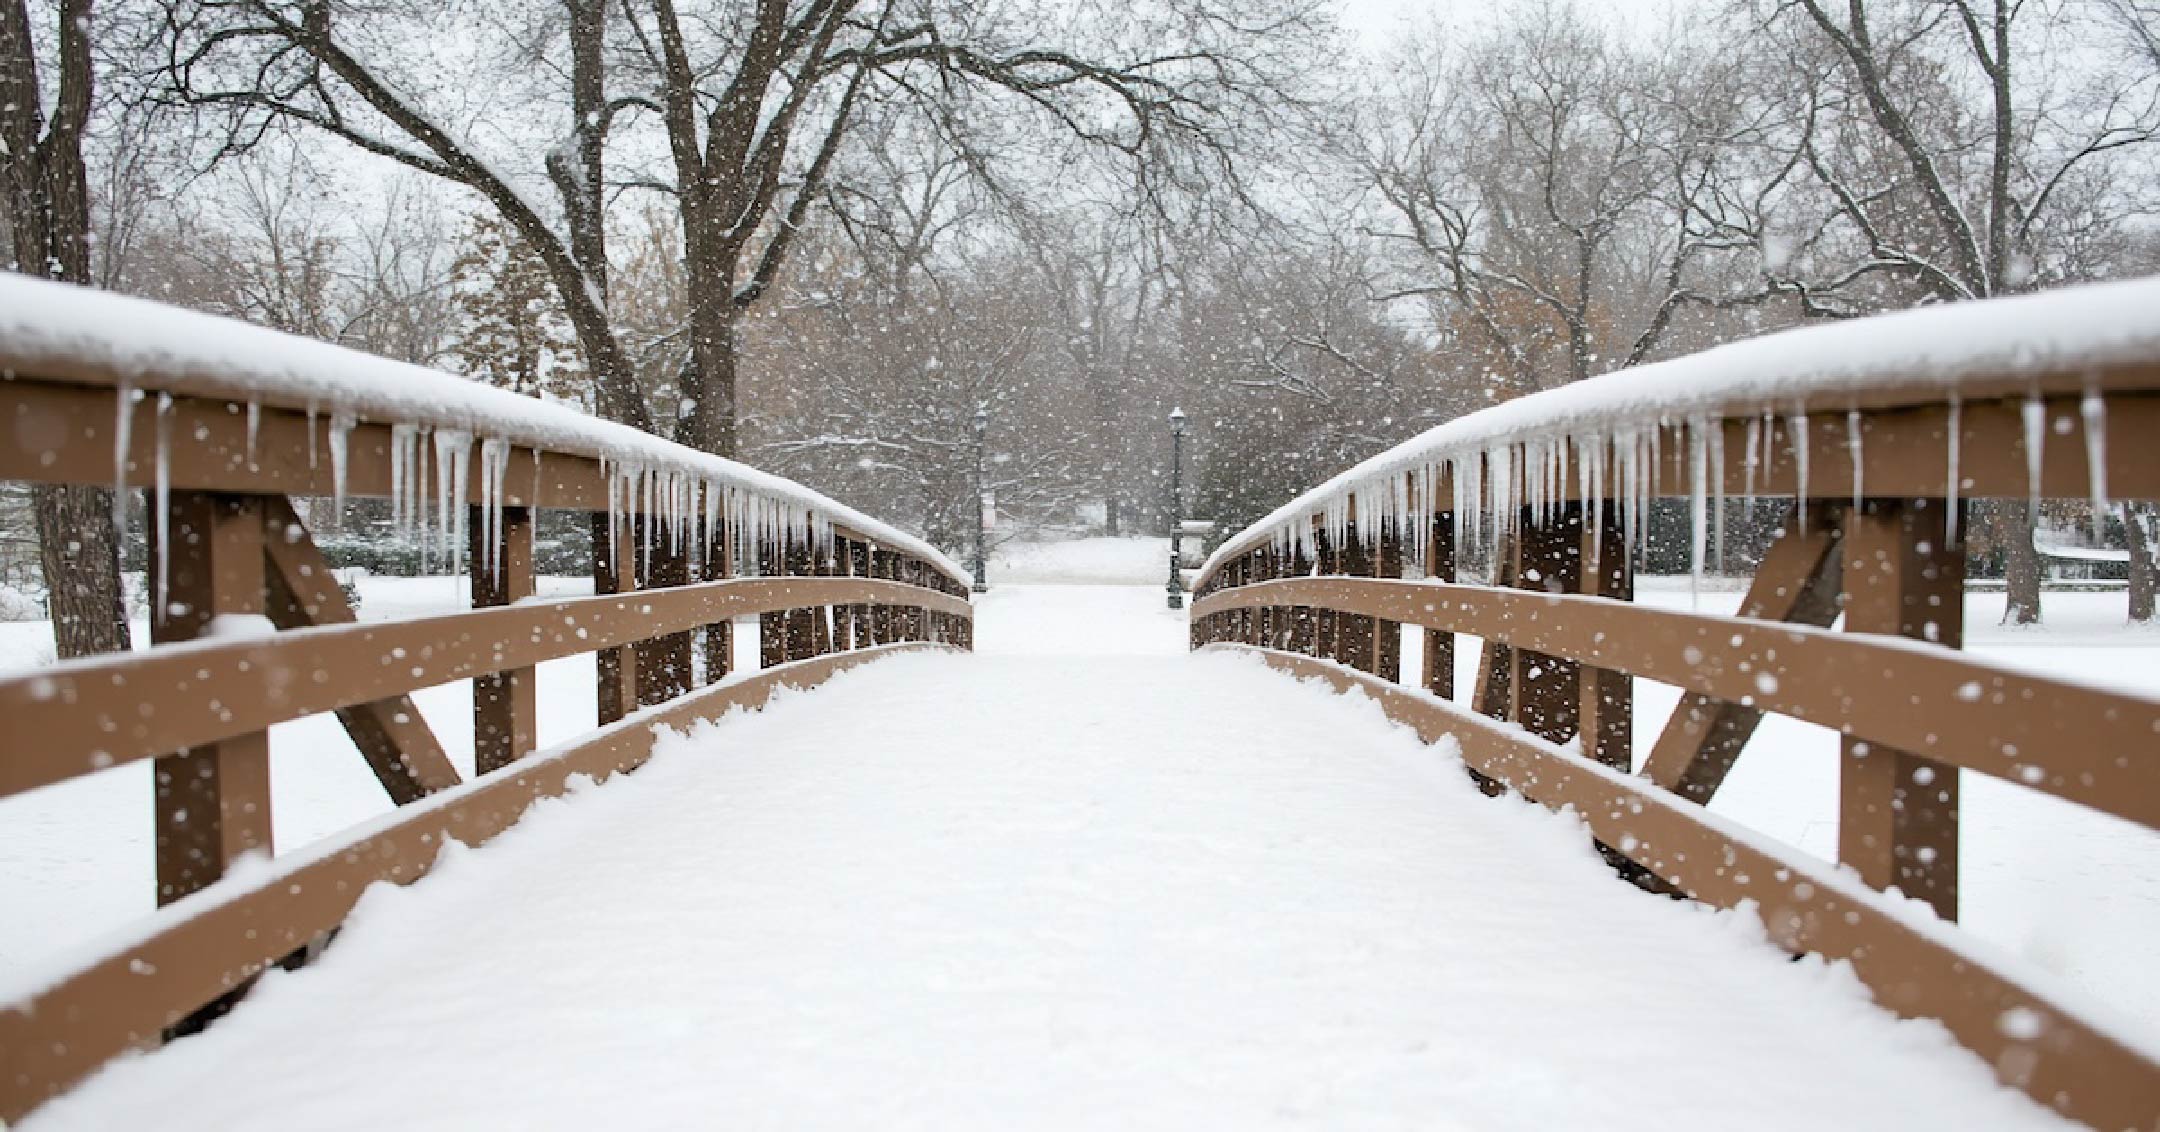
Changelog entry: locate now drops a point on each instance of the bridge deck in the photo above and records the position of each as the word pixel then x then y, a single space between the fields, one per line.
pixel 1112 891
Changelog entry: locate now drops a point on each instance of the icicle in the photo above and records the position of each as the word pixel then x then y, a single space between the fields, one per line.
pixel 452 452
pixel 311 436
pixel 1716 434
pixel 2094 408
pixel 399 437
pixel 1698 493
pixel 162 494
pixel 123 439
pixel 341 426
pixel 1952 485
pixel 1754 454
pixel 1852 447
pixel 1800 459
pixel 494 471
pixel 254 427
pixel 2035 439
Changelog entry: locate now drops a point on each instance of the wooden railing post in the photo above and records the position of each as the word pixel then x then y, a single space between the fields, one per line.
pixel 1898 812
pixel 1302 633
pixel 1798 581
pixel 613 573
pixel 301 591
pixel 663 662
pixel 1548 689
pixel 1607 722
pixel 821 616
pixel 859 631
pixel 1387 647
pixel 1326 624
pixel 506 705
pixel 1355 636
pixel 720 635
pixel 1440 567
pixel 1494 695
pixel 212 802
pixel 798 631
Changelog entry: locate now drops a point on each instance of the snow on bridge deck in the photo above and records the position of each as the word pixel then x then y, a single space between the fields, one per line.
pixel 1013 890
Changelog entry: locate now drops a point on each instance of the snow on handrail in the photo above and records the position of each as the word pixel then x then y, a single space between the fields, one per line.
pixel 61 332
pixel 2085 340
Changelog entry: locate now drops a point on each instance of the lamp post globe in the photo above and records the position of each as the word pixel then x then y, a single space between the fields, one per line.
pixel 1176 585
pixel 982 428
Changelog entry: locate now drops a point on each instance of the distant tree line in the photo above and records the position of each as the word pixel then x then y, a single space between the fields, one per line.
pixel 818 235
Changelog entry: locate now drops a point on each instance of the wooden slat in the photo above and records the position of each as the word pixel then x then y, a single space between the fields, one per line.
pixel 1547 689
pixel 1798 582
pixel 1606 720
pixel 2050 735
pixel 393 738
pixel 63 433
pixel 1904 451
pixel 2059 1060
pixel 90 714
pixel 1897 811
pixel 212 799
pixel 199 950
pixel 506 704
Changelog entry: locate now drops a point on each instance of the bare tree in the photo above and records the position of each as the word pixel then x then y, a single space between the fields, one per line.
pixel 314 63
pixel 1983 144
pixel 47 217
pixel 1559 196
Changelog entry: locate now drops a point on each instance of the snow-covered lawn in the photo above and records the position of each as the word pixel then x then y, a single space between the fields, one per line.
pixel 1059 844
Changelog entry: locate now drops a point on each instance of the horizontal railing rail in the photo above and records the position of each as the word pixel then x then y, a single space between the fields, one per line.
pixel 225 428
pixel 1875 438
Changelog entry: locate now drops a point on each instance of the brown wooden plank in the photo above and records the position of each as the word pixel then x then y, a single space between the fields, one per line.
pixel 1905 452
pixel 2060 1061
pixel 1547 689
pixel 1387 647
pixel 506 704
pixel 2058 737
pixel 1495 691
pixel 663 660
pixel 1606 720
pixel 67 434
pixel 718 565
pixel 393 738
pixel 60 1033
pixel 211 800
pixel 1898 812
pixel 105 711
pixel 1798 582
pixel 1439 643
pixel 614 667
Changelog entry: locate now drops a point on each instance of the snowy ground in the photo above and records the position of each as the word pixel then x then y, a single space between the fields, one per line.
pixel 1050 894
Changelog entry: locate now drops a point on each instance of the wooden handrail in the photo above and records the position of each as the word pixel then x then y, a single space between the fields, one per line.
pixel 2005 722
pixel 1916 971
pixel 192 953
pixel 224 425
pixel 124 708
pixel 1878 465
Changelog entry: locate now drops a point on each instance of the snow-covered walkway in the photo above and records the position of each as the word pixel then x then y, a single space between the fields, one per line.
pixel 1021 890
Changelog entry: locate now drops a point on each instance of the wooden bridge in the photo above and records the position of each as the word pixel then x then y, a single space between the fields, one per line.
pixel 1873 438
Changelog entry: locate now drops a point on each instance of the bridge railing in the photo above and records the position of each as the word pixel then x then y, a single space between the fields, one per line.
pixel 1874 437
pixel 225 426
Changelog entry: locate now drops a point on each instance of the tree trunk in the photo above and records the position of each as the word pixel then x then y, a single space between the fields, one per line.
pixel 2021 563
pixel 82 569
pixel 709 381
pixel 2142 574
pixel 48 204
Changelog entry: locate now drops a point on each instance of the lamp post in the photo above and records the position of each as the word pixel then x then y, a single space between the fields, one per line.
pixel 1177 506
pixel 982 426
